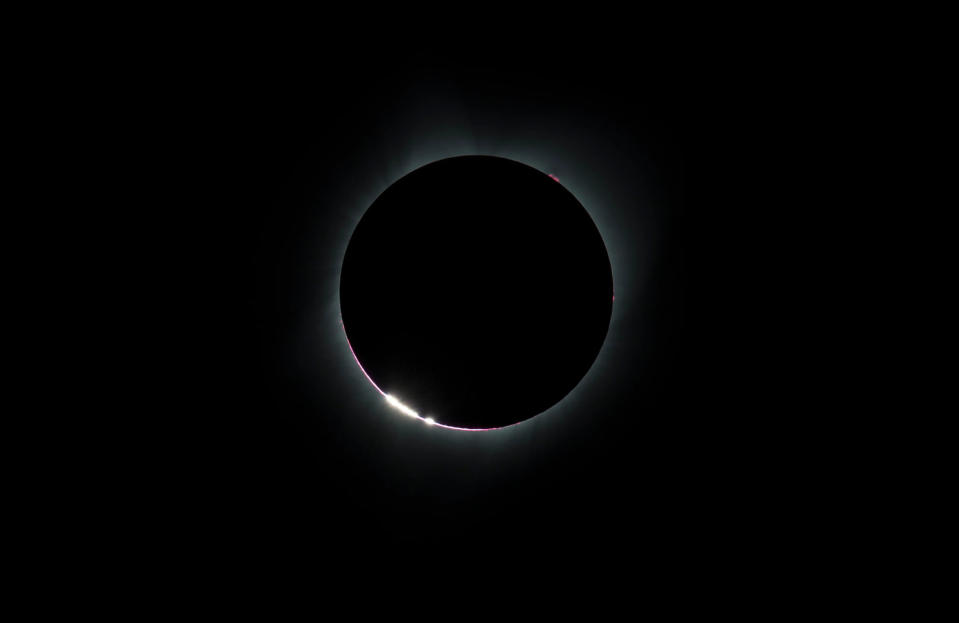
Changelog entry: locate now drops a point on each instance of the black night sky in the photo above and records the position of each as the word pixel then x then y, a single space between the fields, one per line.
pixel 674 444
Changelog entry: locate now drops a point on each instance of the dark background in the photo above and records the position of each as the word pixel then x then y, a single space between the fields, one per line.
pixel 698 449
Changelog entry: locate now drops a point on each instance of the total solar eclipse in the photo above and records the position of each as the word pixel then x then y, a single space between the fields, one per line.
pixel 475 292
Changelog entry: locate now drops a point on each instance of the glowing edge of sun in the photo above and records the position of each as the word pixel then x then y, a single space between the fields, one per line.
pixel 394 402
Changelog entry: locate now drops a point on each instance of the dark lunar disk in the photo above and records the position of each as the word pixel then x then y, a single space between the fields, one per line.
pixel 476 291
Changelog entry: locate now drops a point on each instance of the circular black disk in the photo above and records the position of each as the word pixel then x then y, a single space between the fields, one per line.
pixel 476 291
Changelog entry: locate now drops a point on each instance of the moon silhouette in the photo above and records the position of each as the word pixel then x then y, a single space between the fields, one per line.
pixel 475 293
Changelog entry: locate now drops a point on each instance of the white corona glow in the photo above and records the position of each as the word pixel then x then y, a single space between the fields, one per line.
pixel 402 407
pixel 429 421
